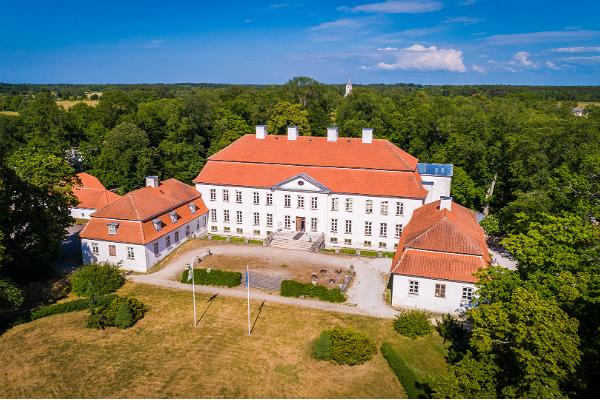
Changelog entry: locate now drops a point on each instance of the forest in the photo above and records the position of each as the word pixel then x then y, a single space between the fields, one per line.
pixel 520 156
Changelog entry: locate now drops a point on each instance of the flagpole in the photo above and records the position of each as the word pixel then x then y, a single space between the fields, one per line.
pixel 193 289
pixel 248 291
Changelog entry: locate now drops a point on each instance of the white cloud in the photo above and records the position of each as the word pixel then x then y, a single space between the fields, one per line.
pixel 467 2
pixel 552 65
pixel 479 69
pixel 522 58
pixel 421 58
pixel 365 68
pixel 540 37
pixel 577 49
pixel 399 7
pixel 338 23
pixel 581 59
pixel 462 20
pixel 153 43
pixel 388 49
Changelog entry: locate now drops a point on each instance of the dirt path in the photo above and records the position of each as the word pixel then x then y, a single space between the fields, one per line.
pixel 365 296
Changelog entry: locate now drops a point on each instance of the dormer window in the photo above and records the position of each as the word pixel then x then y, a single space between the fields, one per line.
pixel 193 208
pixel 112 228
pixel 173 216
pixel 157 224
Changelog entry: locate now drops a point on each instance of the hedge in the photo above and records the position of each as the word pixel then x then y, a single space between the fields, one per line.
pixel 403 372
pixel 215 277
pixel 344 346
pixel 291 288
pixel 368 253
pixel 413 323
pixel 69 306
pixel 218 237
pixel 96 279
pixel 121 312
pixel 255 241
pixel 235 239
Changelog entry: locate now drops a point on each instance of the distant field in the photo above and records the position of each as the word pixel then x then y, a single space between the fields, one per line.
pixel 164 356
pixel 584 104
pixel 11 113
pixel 66 104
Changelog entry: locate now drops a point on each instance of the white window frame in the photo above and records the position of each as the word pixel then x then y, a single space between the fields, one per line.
pixel 368 228
pixel 287 201
pixel 239 218
pixel 213 194
pixel 399 208
pixel 95 249
pixel 269 200
pixel 269 220
pixel 287 222
pixel 413 287
pixel 256 198
pixel 314 203
pixel 238 196
pixel 335 203
pixel 155 248
pixel 383 229
pixel 256 219
pixel 440 290
pixel 348 227
pixel 348 204
pixel 300 202
pixel 369 207
pixel 314 222
pixel 466 295
pixel 213 215
pixel 226 195
pixel 398 233
pixel 226 216
pixel 334 225
pixel 384 209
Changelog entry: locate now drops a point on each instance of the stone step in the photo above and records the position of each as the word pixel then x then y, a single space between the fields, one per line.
pixel 289 246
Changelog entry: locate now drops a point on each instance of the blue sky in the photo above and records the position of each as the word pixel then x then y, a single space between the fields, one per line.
pixel 418 41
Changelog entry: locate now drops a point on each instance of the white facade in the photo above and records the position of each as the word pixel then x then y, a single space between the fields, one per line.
pixel 139 257
pixel 82 213
pixel 374 223
pixel 448 297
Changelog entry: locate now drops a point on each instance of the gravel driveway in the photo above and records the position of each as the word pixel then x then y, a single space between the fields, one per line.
pixel 365 296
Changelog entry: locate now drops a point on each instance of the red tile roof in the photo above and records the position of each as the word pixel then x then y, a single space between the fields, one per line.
pixel 338 180
pixel 317 151
pixel 136 211
pixel 443 244
pixel 91 193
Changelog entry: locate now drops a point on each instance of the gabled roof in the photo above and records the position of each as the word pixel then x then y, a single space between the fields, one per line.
pixel 443 244
pixel 338 180
pixel 91 193
pixel 306 178
pixel 317 151
pixel 148 202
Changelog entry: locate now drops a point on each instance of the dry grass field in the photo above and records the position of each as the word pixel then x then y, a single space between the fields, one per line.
pixel 10 113
pixel 66 104
pixel 164 356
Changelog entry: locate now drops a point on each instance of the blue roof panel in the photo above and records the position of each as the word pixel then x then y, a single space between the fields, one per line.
pixel 435 169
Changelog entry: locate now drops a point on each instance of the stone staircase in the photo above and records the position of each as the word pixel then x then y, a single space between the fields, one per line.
pixel 291 241
pixel 291 244
pixel 264 281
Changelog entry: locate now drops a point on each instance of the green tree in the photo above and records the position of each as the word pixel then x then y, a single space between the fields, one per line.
pixel 464 191
pixel 284 114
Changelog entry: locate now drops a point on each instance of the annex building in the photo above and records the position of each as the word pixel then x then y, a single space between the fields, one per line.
pixel 440 250
pixel 332 191
pixel 92 196
pixel 143 226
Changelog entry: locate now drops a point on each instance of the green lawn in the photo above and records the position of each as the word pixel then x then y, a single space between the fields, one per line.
pixel 164 356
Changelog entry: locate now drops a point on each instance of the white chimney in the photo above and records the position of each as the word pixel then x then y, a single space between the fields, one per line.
pixel 367 135
pixel 332 134
pixel 292 132
pixel 445 203
pixel 152 181
pixel 261 131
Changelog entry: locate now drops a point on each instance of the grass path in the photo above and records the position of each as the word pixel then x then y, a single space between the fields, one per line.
pixel 164 356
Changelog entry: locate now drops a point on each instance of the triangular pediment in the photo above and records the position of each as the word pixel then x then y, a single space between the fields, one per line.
pixel 302 183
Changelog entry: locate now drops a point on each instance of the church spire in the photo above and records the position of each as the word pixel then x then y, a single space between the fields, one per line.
pixel 348 87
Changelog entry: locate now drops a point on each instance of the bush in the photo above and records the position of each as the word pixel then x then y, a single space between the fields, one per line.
pixel 368 253
pixel 97 279
pixel 69 306
pixel 403 372
pixel 291 288
pixel 11 296
pixel 215 277
pixel 122 312
pixel 413 323
pixel 344 346
pixel 236 239
pixel 491 225
pixel 218 237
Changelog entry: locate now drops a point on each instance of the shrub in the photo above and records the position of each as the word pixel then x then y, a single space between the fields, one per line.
pixel 214 277
pixel 236 239
pixel 255 241
pixel 368 253
pixel 121 312
pixel 491 225
pixel 69 306
pixel 403 372
pixel 218 237
pixel 413 323
pixel 124 317
pixel 346 250
pixel 11 296
pixel 291 288
pixel 344 346
pixel 97 279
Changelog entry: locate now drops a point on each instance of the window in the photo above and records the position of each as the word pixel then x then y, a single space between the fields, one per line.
pixel 238 196
pixel 300 201
pixel 287 221
pixel 95 249
pixel 399 208
pixel 348 226
pixel 155 248
pixel 384 208
pixel 334 225
pixel 467 294
pixel 383 230
pixel 333 240
pixel 193 207
pixel 398 231
pixel 112 250
pixel 198 224
pixel 168 240
pixel 313 224
pixel 369 207
pixel 335 204
pixel 347 241
pixel 112 228
pixel 382 245
pixel 287 201
pixel 213 228
pixel 213 215
pixel 239 230
pixel 213 194
pixel 176 236
pixel 173 216
pixel 256 218
pixel 440 290
pixel 269 199
pixel 367 243
pixel 413 287
pixel 226 216
pixel 269 220
pixel 348 204
pixel 256 197
pixel 130 253
pixel 238 217
pixel 257 232
pixel 225 229
pixel 314 202
pixel 187 231
pixel 226 195
pixel 368 226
